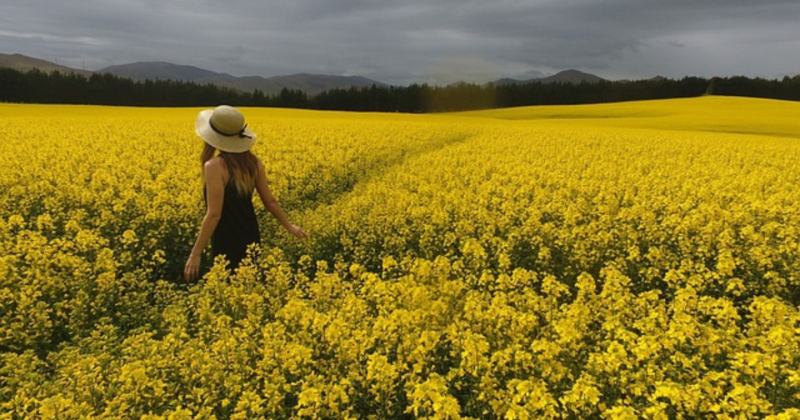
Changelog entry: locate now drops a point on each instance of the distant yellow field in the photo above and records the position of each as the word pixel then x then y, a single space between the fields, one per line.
pixel 707 114
pixel 629 260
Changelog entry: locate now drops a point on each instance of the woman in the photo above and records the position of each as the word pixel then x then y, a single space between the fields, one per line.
pixel 230 178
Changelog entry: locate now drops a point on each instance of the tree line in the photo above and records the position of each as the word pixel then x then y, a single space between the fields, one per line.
pixel 36 86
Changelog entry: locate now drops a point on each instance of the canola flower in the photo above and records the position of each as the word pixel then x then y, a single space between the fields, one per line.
pixel 635 260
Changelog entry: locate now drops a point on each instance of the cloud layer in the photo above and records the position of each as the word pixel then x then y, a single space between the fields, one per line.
pixel 436 41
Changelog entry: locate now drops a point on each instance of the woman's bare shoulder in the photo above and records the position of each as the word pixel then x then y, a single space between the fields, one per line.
pixel 215 167
pixel 216 163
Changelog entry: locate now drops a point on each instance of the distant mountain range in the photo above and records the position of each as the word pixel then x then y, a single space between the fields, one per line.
pixel 309 83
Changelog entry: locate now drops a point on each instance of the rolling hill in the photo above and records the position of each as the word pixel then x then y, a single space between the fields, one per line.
pixel 24 63
pixel 566 76
pixel 159 70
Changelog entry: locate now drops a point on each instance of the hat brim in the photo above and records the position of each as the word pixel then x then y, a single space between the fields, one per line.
pixel 230 144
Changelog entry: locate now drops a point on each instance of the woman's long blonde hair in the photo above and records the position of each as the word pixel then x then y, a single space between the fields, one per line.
pixel 242 167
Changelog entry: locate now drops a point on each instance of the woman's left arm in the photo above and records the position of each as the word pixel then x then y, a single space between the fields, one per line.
pixel 271 204
pixel 215 193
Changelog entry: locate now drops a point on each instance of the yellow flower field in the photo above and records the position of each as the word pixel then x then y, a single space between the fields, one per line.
pixel 616 261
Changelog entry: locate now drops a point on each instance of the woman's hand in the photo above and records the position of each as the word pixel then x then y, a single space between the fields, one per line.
pixel 297 231
pixel 192 268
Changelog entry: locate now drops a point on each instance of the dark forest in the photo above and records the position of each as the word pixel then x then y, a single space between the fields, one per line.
pixel 105 89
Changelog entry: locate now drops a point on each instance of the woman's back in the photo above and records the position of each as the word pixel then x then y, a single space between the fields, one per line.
pixel 238 225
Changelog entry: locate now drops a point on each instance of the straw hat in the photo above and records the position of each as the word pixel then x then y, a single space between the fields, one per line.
pixel 224 128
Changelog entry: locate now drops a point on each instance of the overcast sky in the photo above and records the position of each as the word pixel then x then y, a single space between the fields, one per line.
pixel 399 42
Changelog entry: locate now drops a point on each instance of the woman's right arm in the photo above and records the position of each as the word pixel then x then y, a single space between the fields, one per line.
pixel 215 192
pixel 271 203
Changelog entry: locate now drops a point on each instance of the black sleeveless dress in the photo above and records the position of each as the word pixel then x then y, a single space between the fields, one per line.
pixel 237 227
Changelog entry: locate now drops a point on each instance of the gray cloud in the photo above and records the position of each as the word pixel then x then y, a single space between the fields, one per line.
pixel 438 41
